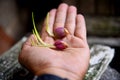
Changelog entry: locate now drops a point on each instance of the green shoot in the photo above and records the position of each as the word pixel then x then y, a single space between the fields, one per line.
pixel 39 41
pixel 47 26
pixel 35 32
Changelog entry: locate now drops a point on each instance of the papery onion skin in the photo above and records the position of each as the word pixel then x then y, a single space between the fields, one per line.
pixel 60 32
pixel 60 45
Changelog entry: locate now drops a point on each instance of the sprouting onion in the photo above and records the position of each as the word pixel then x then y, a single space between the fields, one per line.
pixel 58 44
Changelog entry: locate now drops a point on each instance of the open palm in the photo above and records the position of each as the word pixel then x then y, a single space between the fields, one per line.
pixel 74 59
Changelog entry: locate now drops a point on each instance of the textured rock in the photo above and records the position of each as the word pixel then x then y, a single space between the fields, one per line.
pixel 101 56
pixel 110 74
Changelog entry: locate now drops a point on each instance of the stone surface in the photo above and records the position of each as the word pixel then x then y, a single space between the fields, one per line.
pixel 101 56
pixel 110 74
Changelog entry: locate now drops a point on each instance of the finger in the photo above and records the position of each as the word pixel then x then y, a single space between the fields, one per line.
pixel 71 19
pixel 61 16
pixel 44 33
pixel 80 30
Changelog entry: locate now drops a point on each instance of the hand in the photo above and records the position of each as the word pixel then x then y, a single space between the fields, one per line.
pixel 72 62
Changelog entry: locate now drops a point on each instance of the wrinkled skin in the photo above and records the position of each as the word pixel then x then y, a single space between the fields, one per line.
pixel 72 62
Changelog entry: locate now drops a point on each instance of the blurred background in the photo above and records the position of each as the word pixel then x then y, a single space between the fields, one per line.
pixel 102 20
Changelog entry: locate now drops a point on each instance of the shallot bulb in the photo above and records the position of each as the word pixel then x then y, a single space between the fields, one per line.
pixel 60 32
pixel 60 45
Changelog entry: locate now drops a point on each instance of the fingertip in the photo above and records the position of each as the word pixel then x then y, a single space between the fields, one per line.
pixel 80 16
pixel 72 8
pixel 81 20
pixel 63 5
pixel 52 11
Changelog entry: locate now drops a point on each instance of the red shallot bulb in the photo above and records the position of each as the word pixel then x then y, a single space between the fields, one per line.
pixel 60 45
pixel 60 32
